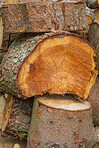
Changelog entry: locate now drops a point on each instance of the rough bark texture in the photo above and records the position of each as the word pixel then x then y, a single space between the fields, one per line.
pixel 60 128
pixel 94 39
pixel 92 3
pixel 94 100
pixel 49 63
pixel 44 17
pixel 17 122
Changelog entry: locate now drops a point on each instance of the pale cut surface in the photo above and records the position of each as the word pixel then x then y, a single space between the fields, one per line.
pixel 7 111
pixel 58 65
pixel 67 102
pixel 2 106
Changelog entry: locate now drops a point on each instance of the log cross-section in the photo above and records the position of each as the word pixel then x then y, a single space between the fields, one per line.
pixel 56 63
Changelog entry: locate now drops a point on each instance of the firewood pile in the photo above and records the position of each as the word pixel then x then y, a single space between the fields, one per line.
pixel 49 65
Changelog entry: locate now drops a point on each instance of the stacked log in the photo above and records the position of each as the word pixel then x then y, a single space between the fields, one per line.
pixel 94 100
pixel 61 122
pixel 45 16
pixel 15 116
pixel 51 64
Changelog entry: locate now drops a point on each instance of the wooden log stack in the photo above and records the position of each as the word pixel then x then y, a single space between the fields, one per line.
pixel 43 59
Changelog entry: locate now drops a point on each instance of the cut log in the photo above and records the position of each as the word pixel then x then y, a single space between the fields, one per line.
pixel 92 3
pixel 96 13
pixel 94 39
pixel 16 117
pixel 61 122
pixel 44 16
pixel 57 63
pixel 2 106
pixel 90 16
pixel 94 100
pixel 11 1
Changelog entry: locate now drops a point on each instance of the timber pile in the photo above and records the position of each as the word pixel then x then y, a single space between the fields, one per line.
pixel 43 60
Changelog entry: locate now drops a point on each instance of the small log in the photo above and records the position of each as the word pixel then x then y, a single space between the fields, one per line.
pixel 94 100
pixel 96 13
pixel 90 16
pixel 44 16
pixel 92 3
pixel 16 117
pixel 94 39
pixel 2 106
pixel 57 63
pixel 61 122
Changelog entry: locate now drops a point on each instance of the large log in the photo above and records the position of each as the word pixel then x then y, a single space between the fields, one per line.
pixel 16 117
pixel 57 63
pixel 94 39
pixel 61 122
pixel 44 16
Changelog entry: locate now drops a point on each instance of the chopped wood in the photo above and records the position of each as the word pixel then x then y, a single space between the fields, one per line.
pixel 44 16
pixel 94 39
pixel 2 106
pixel 54 126
pixel 57 63
pixel 11 1
pixel 16 117
pixel 96 13
pixel 90 16
pixel 94 100
pixel 1 31
pixel 92 3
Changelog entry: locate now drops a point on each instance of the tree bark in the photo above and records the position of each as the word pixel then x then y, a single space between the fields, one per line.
pixel 16 117
pixel 61 122
pixel 94 100
pixel 94 39
pixel 44 16
pixel 57 63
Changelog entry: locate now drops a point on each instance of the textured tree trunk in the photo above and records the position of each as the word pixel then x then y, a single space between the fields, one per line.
pixel 16 117
pixel 57 63
pixel 61 122
pixel 44 16
pixel 92 3
pixel 94 39
pixel 94 100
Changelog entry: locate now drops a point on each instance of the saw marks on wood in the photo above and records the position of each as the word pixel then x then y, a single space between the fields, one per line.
pixel 66 102
pixel 59 65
